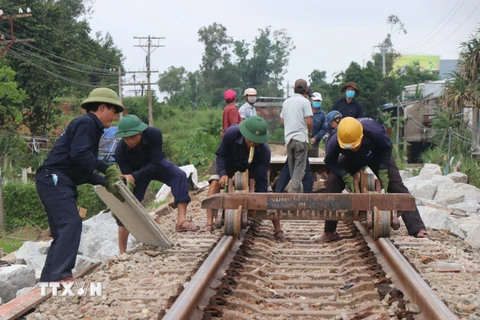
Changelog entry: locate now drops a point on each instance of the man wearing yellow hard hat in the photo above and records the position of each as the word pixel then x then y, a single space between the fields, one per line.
pixel 364 142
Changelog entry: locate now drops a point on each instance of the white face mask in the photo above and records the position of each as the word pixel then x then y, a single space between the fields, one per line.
pixel 252 99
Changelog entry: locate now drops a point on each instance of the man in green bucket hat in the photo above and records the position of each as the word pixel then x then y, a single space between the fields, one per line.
pixel 244 147
pixel 72 162
pixel 140 158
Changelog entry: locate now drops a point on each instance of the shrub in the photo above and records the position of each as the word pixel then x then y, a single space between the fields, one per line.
pixel 30 211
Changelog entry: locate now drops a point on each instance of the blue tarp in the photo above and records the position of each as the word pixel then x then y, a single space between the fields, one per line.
pixel 108 144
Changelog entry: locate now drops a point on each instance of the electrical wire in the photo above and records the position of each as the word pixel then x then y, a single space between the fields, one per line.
pixel 461 24
pixel 419 41
pixel 62 77
pixel 18 50
pixel 103 71
pixel 57 35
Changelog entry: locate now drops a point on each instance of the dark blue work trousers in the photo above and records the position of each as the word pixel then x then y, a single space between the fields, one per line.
pixel 65 224
pixel 284 179
pixel 412 219
pixel 169 174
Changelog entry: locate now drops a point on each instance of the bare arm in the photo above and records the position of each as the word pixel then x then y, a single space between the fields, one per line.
pixel 309 124
pixel 282 121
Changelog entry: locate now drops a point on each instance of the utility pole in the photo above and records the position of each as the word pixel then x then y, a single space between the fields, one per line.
pixel 149 51
pixel 120 87
pixel 3 229
pixel 383 50
pixel 447 169
pixel 12 33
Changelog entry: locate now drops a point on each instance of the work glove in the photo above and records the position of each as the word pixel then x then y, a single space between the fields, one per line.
pixel 348 180
pixel 325 137
pixel 383 176
pixel 112 176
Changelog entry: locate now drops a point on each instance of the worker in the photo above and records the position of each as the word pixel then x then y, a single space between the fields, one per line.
pixel 319 126
pixel 234 154
pixel 72 162
pixel 333 119
pixel 231 116
pixel 308 178
pixel 141 160
pixel 364 142
pixel 247 109
pixel 296 116
pixel 348 106
pixel 230 112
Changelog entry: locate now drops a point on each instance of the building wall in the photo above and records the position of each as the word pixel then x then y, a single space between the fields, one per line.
pixel 417 123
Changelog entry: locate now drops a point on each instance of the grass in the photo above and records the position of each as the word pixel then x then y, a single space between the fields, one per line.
pixel 15 239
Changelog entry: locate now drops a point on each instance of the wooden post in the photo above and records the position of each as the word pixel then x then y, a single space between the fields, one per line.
pixel 24 175
pixel 3 230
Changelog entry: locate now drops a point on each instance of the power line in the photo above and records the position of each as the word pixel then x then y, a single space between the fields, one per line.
pixel 461 24
pixel 107 72
pixel 419 41
pixel 58 35
pixel 62 77
pixel 61 65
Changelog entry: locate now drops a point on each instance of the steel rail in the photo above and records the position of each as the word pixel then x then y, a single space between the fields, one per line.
pixel 188 299
pixel 407 279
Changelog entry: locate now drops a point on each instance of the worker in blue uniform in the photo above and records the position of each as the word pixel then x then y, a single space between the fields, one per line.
pixel 363 142
pixel 141 160
pixel 233 155
pixel 72 162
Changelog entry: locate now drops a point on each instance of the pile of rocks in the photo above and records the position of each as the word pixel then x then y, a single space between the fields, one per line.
pixel 99 242
pixel 447 202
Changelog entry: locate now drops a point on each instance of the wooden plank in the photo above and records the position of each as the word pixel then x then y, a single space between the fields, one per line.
pixel 21 305
pixel 24 303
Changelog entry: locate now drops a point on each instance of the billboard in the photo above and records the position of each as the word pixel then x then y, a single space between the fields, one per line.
pixel 431 63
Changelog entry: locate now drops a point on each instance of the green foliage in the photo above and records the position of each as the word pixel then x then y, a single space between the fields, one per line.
pixel 88 199
pixel 11 97
pixel 30 211
pixel 230 64
pixel 190 136
pixel 62 34
pixel 14 153
pixel 10 245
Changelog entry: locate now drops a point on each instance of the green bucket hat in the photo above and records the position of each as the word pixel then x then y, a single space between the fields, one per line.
pixel 103 95
pixel 254 129
pixel 129 126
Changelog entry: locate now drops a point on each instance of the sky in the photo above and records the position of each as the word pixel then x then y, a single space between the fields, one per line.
pixel 328 35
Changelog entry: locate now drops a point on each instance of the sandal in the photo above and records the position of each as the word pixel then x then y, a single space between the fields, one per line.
pixel 280 236
pixel 422 233
pixel 327 237
pixel 185 226
pixel 207 228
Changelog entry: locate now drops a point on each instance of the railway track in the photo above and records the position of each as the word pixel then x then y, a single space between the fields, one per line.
pixel 262 279
pixel 218 276
pixel 303 280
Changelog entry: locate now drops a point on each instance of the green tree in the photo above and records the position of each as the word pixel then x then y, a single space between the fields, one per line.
pixel 413 74
pixel 63 60
pixel 216 55
pixel 11 98
pixel 173 80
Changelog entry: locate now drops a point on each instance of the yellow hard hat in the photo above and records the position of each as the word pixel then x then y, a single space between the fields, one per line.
pixel 349 133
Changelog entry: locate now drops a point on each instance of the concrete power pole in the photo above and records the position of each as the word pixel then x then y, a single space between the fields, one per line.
pixel 149 51
pixel 383 50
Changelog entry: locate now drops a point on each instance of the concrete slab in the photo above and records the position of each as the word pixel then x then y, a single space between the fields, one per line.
pixel 134 216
